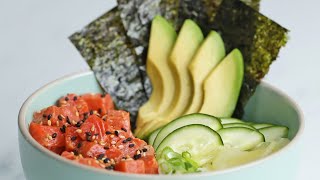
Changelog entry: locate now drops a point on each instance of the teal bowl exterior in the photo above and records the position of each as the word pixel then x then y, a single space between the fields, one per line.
pixel 268 105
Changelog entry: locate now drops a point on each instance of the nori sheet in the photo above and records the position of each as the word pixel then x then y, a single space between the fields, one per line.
pixel 258 38
pixel 109 53
pixel 116 51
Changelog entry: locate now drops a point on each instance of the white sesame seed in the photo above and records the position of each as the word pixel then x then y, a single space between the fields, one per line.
pixel 92 128
pixel 49 122
pixel 79 131
pixel 138 152
pixel 113 142
pixel 112 136
pixel 122 137
pixel 62 116
pixel 102 143
pixel 95 141
pixel 112 161
pixel 49 137
pixel 144 154
pixel 78 107
pixel 93 137
pixel 58 123
pixel 63 102
pixel 77 113
pixel 120 146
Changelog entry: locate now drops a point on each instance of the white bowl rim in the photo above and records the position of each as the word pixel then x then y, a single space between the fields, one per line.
pixel 25 133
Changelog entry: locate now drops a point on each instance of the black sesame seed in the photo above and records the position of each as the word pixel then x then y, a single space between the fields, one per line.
pixel 131 145
pixel 68 120
pixel 79 145
pixel 108 132
pixel 123 129
pixel 106 148
pixel 66 98
pixel 97 134
pixel 106 160
pixel 91 112
pixel 75 98
pixel 100 156
pixel 129 139
pixel 99 110
pixel 116 133
pixel 73 138
pixel 103 95
pixel 124 158
pixel 44 115
pixel 88 138
pixel 60 117
pixel 124 141
pixel 76 152
pixel 63 129
pixel 137 156
pixel 85 115
pixel 49 116
pixel 144 149
pixel 54 135
pixel 111 167
pixel 79 124
pixel 88 134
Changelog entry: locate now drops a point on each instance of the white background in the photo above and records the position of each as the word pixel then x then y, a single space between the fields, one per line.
pixel 34 50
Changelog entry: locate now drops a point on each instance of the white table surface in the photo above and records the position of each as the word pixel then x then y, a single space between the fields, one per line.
pixel 34 50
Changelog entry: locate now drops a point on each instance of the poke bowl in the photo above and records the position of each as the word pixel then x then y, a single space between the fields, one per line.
pixel 267 105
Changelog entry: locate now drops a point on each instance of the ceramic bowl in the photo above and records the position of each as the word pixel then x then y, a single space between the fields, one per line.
pixel 268 105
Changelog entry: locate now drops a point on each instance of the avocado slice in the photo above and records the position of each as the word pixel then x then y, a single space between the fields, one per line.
pixel 210 53
pixel 162 39
pixel 189 39
pixel 222 86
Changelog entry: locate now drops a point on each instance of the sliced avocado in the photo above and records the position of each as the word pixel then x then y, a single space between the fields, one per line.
pixel 222 86
pixel 189 39
pixel 162 39
pixel 210 53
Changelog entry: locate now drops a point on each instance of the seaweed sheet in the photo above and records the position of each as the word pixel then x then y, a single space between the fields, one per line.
pixel 137 15
pixel 258 38
pixel 107 50
pixel 116 51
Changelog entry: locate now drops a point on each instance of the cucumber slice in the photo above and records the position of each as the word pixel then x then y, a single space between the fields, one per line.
pixel 274 132
pixel 260 126
pixel 230 120
pixel 153 136
pixel 241 137
pixel 193 138
pixel 238 125
pixel 196 118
